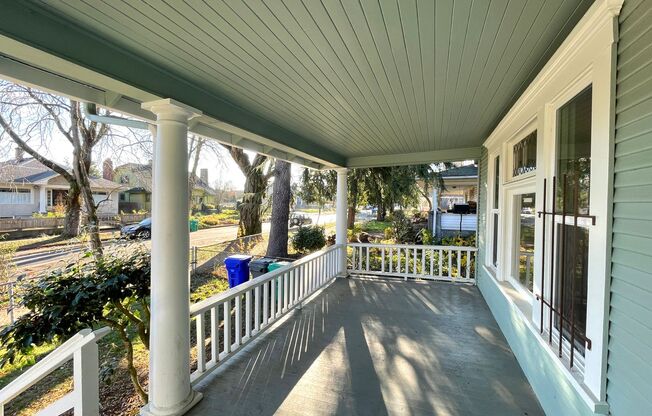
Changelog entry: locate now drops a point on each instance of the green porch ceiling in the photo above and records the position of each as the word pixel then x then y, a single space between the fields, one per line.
pixel 344 81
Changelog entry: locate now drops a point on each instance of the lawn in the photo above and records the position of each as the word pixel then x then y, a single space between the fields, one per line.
pixel 373 226
pixel 226 217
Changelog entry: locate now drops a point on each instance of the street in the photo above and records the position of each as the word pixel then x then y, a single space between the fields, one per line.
pixel 30 261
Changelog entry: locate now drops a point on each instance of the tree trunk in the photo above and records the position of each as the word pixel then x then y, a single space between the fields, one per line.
pixel 381 214
pixel 252 201
pixel 350 220
pixel 278 235
pixel 72 219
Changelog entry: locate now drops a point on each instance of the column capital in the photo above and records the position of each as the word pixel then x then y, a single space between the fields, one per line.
pixel 341 171
pixel 167 108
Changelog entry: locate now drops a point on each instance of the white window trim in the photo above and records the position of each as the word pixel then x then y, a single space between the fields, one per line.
pixel 491 178
pixel 511 191
pixel 587 57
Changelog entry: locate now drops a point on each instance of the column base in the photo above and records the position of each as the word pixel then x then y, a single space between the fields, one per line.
pixel 192 400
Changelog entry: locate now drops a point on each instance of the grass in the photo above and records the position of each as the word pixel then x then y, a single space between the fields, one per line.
pixel 226 217
pixel 315 211
pixel 45 241
pixel 374 226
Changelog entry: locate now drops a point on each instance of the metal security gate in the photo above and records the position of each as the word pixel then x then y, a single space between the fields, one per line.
pixel 564 306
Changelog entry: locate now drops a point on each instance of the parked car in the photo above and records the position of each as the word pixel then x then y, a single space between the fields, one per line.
pixel 141 230
pixel 297 220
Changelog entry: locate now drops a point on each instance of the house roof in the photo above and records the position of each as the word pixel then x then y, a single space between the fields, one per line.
pixel 137 167
pixel 467 171
pixel 29 171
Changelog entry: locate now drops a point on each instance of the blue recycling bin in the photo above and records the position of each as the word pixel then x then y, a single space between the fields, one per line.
pixel 237 267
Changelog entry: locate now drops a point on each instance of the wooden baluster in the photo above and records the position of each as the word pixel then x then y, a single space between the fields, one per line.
pixel 201 337
pixel 238 320
pixel 227 327
pixel 215 335
pixel 257 309
pixel 248 314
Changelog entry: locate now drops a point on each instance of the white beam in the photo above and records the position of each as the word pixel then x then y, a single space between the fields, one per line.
pixel 448 155
pixel 170 392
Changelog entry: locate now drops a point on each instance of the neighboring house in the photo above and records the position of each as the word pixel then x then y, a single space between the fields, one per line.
pixel 28 187
pixel 460 187
pixel 137 178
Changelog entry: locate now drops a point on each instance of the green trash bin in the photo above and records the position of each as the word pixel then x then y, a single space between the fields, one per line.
pixel 193 225
pixel 274 266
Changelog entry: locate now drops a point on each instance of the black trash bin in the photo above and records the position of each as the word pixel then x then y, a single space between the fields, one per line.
pixel 260 266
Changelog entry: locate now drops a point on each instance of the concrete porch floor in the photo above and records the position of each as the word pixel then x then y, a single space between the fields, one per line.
pixel 377 347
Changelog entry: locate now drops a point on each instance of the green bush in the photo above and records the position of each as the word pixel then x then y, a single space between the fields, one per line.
pixel 388 233
pixel 402 228
pixel 227 216
pixel 112 290
pixel 308 239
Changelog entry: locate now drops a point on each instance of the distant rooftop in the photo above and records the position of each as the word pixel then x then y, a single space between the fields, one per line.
pixel 468 171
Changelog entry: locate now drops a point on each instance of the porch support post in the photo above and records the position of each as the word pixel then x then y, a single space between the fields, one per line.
pixel 170 392
pixel 341 208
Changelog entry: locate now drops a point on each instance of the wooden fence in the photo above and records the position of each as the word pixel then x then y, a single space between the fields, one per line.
pixel 19 224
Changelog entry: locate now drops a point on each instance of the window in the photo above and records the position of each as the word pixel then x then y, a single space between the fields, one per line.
pixel 574 153
pixel 15 196
pixel 100 197
pixel 525 210
pixel 494 211
pixel 525 155
pixel 572 233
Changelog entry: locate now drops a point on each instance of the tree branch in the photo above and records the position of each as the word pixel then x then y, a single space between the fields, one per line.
pixel 45 161
pixel 55 117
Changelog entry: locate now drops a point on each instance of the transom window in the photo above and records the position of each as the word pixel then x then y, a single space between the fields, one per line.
pixel 525 155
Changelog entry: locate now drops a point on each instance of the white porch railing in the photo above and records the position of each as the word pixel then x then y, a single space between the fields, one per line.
pixel 449 263
pixel 84 399
pixel 229 320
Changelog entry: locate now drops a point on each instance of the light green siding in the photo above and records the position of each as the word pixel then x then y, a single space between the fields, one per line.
pixel 482 206
pixel 629 373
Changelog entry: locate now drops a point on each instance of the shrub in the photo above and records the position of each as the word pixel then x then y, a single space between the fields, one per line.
pixel 426 237
pixel 308 239
pixel 112 290
pixel 388 233
pixel 402 228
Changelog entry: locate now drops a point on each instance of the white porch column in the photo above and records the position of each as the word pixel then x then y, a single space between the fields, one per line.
pixel 170 392
pixel 42 199
pixel 341 213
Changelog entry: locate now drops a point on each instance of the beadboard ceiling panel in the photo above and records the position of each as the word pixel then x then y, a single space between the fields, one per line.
pixel 338 79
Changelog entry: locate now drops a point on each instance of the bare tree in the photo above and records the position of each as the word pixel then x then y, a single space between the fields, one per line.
pixel 33 120
pixel 256 179
pixel 278 234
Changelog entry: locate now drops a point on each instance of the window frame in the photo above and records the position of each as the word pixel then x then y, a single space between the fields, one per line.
pixel 494 225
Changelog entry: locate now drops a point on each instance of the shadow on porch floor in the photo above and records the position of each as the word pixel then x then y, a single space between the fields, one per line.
pixel 377 347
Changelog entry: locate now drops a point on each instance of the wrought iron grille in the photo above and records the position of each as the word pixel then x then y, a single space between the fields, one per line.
pixel 562 316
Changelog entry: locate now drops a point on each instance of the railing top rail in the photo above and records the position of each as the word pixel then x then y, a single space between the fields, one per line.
pixel 51 362
pixel 206 304
pixel 412 246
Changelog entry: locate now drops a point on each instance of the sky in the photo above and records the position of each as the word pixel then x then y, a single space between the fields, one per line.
pixel 133 146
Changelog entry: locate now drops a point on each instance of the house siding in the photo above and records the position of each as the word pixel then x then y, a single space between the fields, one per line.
pixel 629 385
